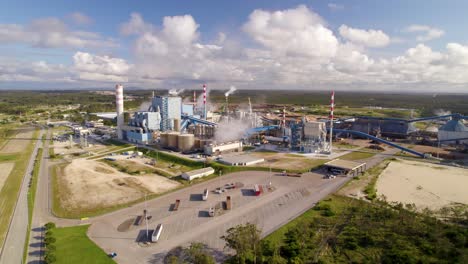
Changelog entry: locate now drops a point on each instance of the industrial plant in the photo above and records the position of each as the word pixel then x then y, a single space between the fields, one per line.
pixel 173 123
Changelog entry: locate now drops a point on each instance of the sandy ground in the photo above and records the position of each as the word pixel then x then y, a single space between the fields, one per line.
pixel 20 142
pixel 5 169
pixel 63 147
pixel 426 185
pixel 92 183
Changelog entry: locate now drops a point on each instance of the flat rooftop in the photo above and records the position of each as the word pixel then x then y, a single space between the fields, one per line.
pixel 241 159
pixel 199 171
pixel 345 164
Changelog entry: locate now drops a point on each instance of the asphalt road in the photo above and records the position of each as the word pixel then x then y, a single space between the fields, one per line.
pixel 13 247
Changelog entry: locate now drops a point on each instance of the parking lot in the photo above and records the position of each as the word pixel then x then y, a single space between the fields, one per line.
pixel 287 198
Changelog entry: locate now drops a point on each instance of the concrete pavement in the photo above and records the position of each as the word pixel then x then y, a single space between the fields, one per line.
pixel 12 251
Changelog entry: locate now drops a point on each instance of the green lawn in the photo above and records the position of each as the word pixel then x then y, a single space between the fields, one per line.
pixel 74 246
pixel 357 155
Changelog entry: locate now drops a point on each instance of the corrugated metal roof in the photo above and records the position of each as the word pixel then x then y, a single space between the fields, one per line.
pixel 454 125
pixel 199 171
pixel 344 164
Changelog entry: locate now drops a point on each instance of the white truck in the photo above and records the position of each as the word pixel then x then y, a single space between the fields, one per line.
pixel 205 195
pixel 157 232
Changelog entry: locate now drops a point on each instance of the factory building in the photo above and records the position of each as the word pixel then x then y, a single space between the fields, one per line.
pixel 146 120
pixel 170 108
pixel 191 175
pixel 214 149
pixel 454 131
pixel 137 135
pixel 309 137
pixel 385 127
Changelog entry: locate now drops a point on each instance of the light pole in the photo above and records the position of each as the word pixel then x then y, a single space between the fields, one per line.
pixel 146 219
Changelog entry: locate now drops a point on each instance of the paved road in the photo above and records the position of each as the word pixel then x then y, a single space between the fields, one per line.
pixel 13 248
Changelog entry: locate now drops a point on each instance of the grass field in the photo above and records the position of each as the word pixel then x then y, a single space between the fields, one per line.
pixel 9 192
pixel 74 247
pixel 357 155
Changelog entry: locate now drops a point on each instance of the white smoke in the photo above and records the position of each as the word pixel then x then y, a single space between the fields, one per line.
pixel 175 92
pixel 230 131
pixel 441 112
pixel 231 90
pixel 144 106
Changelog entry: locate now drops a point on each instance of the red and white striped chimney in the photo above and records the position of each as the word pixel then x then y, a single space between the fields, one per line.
pixel 332 108
pixel 204 101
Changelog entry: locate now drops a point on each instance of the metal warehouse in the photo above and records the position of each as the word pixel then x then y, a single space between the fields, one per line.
pixel 190 175
pixel 346 167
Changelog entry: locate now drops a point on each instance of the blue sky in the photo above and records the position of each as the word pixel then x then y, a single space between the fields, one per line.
pixel 370 45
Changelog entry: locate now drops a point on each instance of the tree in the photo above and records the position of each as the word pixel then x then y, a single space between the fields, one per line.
pixel 245 240
pixel 197 254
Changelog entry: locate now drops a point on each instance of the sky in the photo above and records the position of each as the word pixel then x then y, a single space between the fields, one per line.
pixel 398 45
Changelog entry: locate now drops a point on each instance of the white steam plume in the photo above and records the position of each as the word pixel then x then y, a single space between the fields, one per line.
pixel 230 131
pixel 231 90
pixel 441 112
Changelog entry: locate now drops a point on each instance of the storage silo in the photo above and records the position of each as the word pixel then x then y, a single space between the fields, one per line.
pixel 197 143
pixel 177 124
pixel 164 139
pixel 185 142
pixel 172 138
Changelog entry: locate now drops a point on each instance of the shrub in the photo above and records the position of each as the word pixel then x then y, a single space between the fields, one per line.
pixel 49 234
pixel 49 240
pixel 49 225
pixel 50 258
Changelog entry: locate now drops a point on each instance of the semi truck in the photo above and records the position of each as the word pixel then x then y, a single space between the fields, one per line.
pixel 211 212
pixel 205 195
pixel 258 189
pixel 176 205
pixel 156 233
pixel 228 203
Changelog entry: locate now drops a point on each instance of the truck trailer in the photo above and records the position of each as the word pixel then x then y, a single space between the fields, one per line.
pixel 228 203
pixel 205 195
pixel 176 205
pixel 156 233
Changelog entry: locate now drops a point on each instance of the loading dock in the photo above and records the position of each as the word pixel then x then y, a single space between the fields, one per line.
pixel 345 167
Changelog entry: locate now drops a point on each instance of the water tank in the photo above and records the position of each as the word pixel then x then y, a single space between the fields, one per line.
pixel 177 124
pixel 164 139
pixel 172 138
pixel 197 143
pixel 185 142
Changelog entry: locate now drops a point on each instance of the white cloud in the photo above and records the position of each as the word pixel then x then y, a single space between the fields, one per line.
pixel 180 30
pixel 297 31
pixel 100 68
pixel 80 18
pixel 335 7
pixel 136 25
pixel 369 38
pixel 51 33
pixel 428 33
pixel 294 49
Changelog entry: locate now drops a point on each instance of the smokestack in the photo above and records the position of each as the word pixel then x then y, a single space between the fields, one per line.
pixel 204 101
pixel 119 103
pixel 332 107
